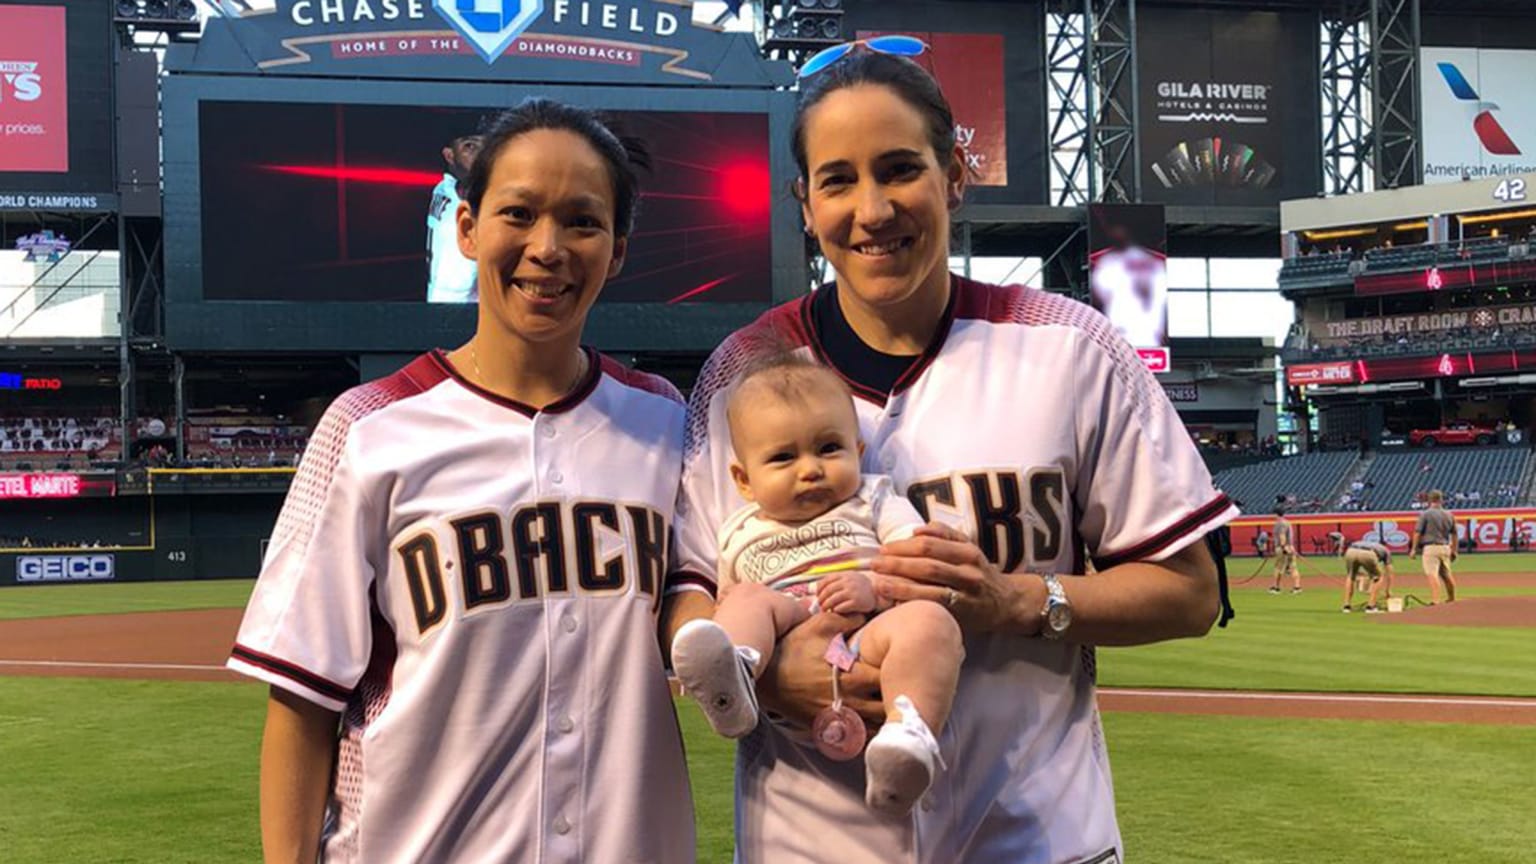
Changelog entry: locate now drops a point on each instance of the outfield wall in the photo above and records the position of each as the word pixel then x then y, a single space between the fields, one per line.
pixel 137 538
pixel 1490 530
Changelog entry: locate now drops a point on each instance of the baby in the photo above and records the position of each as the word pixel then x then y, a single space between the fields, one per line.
pixel 800 545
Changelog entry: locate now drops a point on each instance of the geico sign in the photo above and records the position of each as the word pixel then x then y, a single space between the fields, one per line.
pixel 64 568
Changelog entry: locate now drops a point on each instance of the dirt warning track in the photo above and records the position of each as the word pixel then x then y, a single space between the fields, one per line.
pixel 192 646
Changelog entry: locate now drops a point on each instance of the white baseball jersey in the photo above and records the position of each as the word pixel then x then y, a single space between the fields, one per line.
pixel 756 548
pixel 475 585
pixel 1131 287
pixel 451 278
pixel 1032 424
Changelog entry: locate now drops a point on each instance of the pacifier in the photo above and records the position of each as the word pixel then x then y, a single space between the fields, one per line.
pixel 838 732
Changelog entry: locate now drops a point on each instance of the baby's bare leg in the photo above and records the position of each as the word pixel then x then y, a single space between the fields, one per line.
pixel 755 616
pixel 917 647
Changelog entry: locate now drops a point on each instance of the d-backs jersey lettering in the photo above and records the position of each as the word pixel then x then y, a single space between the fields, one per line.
pixel 1031 425
pixel 475 586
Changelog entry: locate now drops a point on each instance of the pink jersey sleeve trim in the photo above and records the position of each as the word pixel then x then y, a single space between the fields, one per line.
pixel 687 580
pixel 292 672
pixel 635 379
pixel 1150 547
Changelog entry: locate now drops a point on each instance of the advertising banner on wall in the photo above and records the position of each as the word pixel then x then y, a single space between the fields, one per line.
pixel 1477 116
pixel 55 105
pixel 56 485
pixel 34 89
pixel 1300 374
pixel 1489 530
pixel 1128 275
pixel 97 567
pixel 1487 318
pixel 987 58
pixel 616 41
pixel 1229 107
pixel 969 68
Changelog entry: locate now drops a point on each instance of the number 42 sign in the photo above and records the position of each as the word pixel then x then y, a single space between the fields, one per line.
pixel 1510 191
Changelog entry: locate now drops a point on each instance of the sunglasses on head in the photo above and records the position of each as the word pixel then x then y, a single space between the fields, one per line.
pixel 900 46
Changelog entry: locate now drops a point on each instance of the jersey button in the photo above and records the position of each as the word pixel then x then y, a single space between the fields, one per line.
pixel 555 477
pixel 565 724
pixel 549 430
pixel 561 826
pixel 569 623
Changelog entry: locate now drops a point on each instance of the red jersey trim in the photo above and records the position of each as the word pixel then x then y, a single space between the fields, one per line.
pixel 559 406
pixel 637 380
pixel 1165 538
pixel 418 376
pixel 293 672
pixel 919 365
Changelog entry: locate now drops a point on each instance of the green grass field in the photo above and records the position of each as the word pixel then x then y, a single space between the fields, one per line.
pixel 156 772
pixel 1303 642
pixel 131 771
pixel 49 600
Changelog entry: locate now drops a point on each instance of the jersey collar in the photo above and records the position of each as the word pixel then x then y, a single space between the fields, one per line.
pixel 919 364
pixel 565 403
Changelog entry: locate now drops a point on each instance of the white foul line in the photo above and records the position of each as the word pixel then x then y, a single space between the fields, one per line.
pixel 1316 697
pixel 71 664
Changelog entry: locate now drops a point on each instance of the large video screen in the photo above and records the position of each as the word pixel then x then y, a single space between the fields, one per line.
pixel 1128 275
pixel 325 202
pixel 55 100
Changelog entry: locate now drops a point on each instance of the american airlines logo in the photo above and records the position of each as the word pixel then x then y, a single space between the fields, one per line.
pixel 1492 135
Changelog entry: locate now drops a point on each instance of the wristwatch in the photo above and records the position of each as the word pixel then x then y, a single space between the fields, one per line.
pixel 1056 616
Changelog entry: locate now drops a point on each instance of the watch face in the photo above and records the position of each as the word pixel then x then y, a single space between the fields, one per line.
pixel 1059 618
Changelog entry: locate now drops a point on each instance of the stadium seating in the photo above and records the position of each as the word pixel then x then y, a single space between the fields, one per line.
pixel 1314 271
pixel 244 442
pixel 1309 480
pixel 1464 339
pixel 57 443
pixel 43 444
pixel 1469 477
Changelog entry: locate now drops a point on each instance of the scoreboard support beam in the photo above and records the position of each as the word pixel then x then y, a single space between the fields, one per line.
pixel 1371 108
pixel 1395 38
pixel 1092 101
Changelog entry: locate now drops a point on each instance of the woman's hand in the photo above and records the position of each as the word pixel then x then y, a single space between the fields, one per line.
pixel 798 680
pixel 938 563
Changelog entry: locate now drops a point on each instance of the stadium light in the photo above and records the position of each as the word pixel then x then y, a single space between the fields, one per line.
pixel 1496 217
pixel 1336 235
pixel 805 25
pixel 163 16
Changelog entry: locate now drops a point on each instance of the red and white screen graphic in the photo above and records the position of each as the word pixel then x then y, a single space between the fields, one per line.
pixel 34 94
pixel 969 68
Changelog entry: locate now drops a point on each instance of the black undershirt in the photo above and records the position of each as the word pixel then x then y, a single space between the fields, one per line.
pixel 865 366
